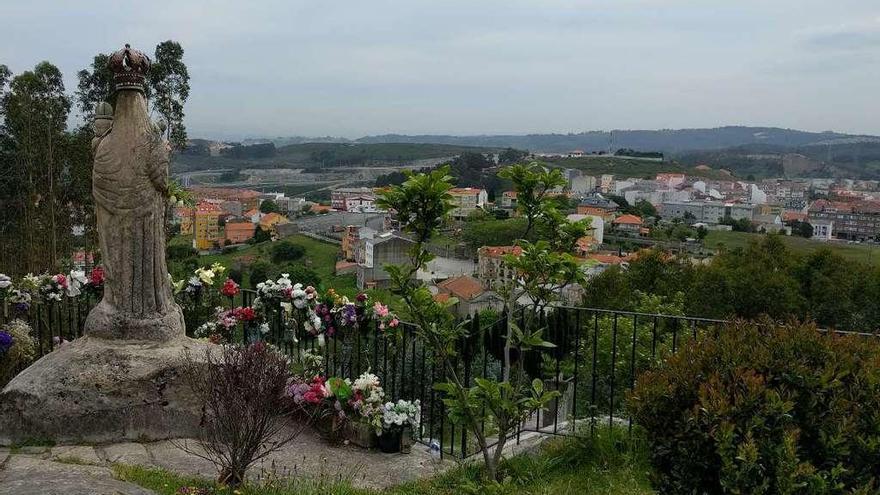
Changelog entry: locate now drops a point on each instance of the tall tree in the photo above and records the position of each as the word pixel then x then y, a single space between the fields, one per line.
pixel 35 111
pixel 169 81
pixel 95 85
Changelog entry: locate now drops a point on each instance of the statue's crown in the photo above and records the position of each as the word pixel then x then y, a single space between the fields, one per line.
pixel 129 67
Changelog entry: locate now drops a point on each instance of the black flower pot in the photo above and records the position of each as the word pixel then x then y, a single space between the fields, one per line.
pixel 389 441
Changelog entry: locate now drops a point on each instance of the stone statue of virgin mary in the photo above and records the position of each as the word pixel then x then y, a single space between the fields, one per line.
pixel 129 183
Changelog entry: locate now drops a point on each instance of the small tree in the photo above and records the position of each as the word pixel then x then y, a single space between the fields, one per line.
pixel 245 414
pixel 422 203
pixel 269 206
pixel 286 251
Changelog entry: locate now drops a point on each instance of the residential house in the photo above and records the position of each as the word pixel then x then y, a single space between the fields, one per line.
pixel 628 224
pixel 207 233
pixel 350 240
pixel 595 233
pixel 598 205
pixel 467 200
pixel 270 221
pixel 606 183
pixel 470 296
pixel 184 217
pixel 381 250
pixel 254 215
pixel 508 200
pixel 492 270
pixel 339 196
pixel 822 229
pixel 239 230
pixel 361 203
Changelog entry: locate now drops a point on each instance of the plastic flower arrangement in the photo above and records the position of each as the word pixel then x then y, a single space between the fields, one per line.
pixel 387 320
pixel 222 327
pixel 230 288
pixel 367 400
pixel 401 413
pixel 6 342
pixel 20 349
pixel 53 288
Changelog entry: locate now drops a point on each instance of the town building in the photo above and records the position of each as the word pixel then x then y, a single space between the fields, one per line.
pixel 508 200
pixel 249 199
pixel 596 230
pixel 628 224
pixel 671 180
pixel 598 205
pixel 492 270
pixel 467 200
pixel 270 221
pixel 709 212
pixel 361 203
pixel 184 217
pixel 207 233
pixel 606 183
pixel 583 184
pixel 339 196
pixel 238 230
pixel 822 229
pixel 350 239
pixel 470 297
pixel 378 251
pixel 854 221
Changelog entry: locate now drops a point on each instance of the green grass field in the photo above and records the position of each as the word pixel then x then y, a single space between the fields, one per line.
pixel 864 253
pixel 597 165
pixel 319 256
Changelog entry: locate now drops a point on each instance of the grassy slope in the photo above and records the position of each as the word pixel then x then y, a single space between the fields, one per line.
pixel 319 256
pixel 562 467
pixel 855 252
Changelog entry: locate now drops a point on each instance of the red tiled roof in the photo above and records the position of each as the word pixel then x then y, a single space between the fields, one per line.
pixel 788 216
pixel 464 190
pixel 498 251
pixel 207 207
pixel 463 287
pixel 627 220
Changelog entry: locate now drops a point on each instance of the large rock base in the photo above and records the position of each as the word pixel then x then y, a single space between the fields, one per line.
pixel 93 391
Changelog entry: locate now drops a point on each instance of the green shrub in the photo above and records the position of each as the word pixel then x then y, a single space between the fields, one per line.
pixel 259 272
pixel 764 409
pixel 286 251
pixel 181 251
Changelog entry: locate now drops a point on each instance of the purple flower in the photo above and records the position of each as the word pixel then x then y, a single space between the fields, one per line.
pixel 6 342
pixel 349 315
pixel 22 307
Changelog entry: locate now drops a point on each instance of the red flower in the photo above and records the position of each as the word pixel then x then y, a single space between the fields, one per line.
pixel 245 314
pixel 230 288
pixel 96 278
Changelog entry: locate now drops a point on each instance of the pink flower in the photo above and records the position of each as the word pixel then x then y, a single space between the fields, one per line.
pixel 380 309
pixel 393 323
pixel 60 280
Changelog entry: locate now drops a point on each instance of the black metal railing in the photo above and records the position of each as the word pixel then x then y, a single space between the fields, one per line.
pixel 596 358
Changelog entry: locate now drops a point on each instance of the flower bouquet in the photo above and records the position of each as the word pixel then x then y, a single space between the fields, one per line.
pixel 366 404
pixel 398 421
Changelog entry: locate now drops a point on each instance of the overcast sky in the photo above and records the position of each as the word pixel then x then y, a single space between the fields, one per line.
pixel 350 68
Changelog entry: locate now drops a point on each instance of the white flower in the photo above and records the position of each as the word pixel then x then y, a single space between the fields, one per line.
pixel 264 328
pixel 5 281
pixel 75 281
pixel 206 275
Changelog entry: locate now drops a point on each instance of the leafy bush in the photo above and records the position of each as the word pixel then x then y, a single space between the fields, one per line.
pixel 764 409
pixel 286 251
pixel 181 251
pixel 259 272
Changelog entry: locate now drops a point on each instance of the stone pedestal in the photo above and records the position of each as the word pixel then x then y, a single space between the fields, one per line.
pixel 94 390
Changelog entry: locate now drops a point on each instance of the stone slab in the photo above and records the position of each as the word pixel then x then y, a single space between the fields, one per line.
pixel 30 475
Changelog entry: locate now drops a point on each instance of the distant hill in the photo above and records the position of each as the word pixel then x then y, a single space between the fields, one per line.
pixel 839 158
pixel 667 140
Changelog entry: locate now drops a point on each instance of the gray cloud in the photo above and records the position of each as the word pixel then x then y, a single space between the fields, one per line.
pixel 462 66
